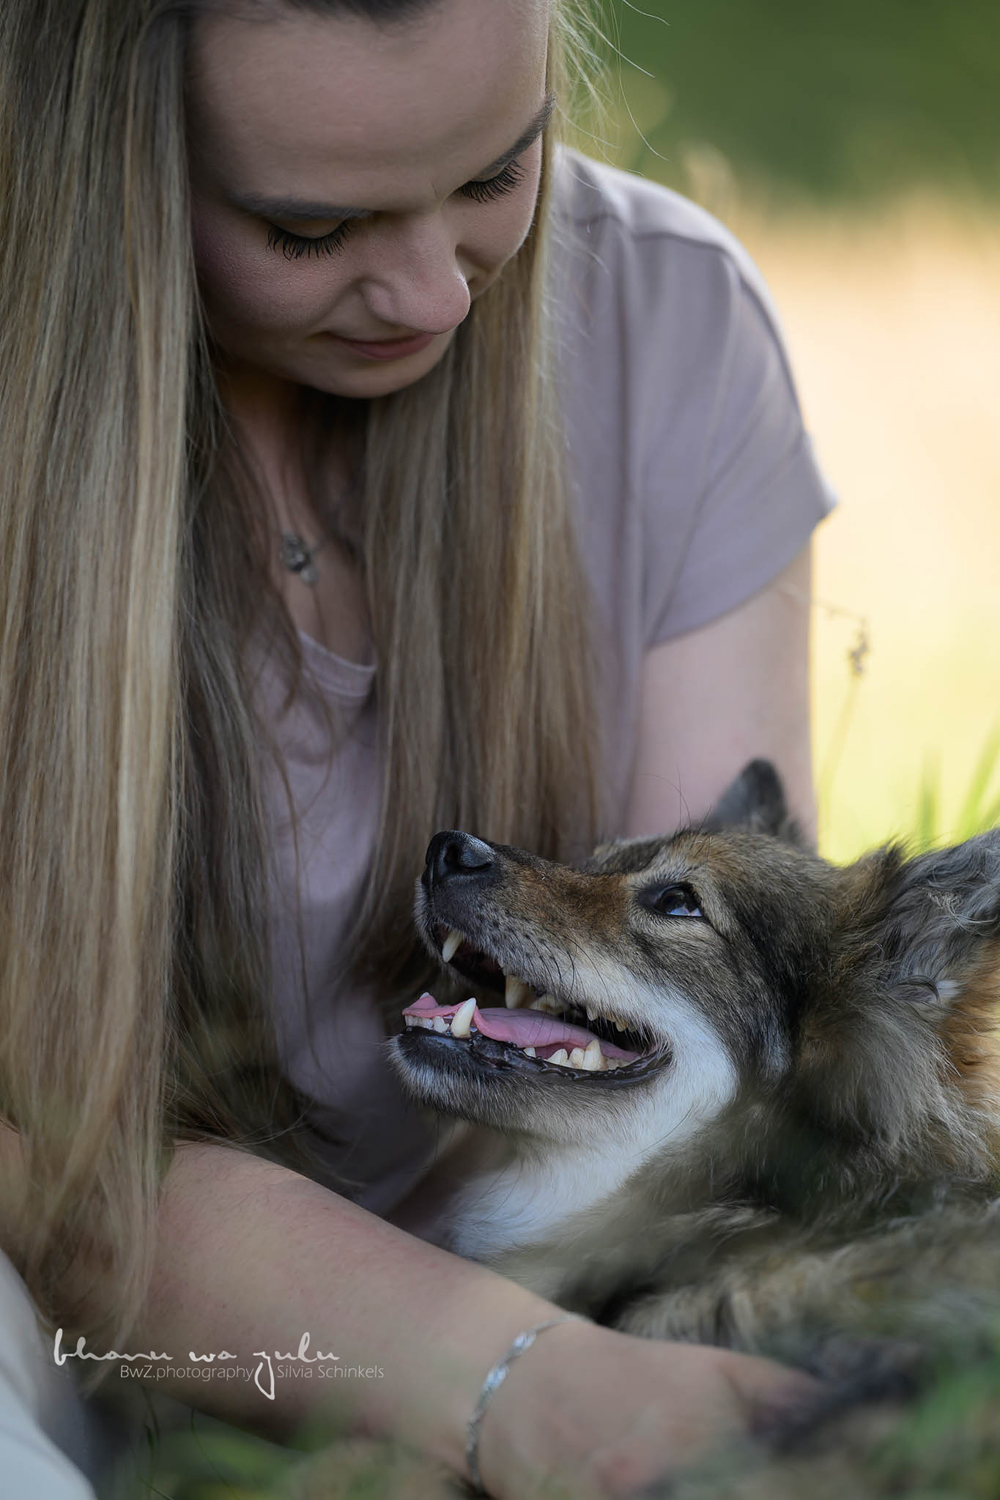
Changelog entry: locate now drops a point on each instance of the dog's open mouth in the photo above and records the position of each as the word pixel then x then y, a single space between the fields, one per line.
pixel 536 1028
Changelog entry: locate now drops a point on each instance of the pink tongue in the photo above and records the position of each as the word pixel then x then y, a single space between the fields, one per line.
pixel 525 1028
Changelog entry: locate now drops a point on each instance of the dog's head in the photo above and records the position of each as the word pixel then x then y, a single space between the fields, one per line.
pixel 726 973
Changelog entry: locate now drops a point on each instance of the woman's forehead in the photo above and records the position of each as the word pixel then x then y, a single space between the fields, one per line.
pixel 305 103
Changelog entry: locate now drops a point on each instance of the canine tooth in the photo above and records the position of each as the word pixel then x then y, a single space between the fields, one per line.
pixel 462 1019
pixel 576 1057
pixel 592 1056
pixel 451 945
pixel 530 1052
pixel 560 1058
pixel 440 1024
pixel 514 992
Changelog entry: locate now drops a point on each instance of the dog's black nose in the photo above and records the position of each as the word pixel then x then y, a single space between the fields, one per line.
pixel 454 855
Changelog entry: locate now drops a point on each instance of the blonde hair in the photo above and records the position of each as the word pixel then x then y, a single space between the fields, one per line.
pixel 133 979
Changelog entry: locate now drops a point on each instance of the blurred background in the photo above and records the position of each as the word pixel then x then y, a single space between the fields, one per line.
pixel 855 150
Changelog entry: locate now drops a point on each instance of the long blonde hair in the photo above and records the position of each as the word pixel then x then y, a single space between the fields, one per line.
pixel 132 832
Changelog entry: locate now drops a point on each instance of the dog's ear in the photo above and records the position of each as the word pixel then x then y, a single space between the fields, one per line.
pixel 756 801
pixel 940 942
pixel 901 1033
pixel 943 914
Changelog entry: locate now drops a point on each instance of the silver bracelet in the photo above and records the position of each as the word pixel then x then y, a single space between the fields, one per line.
pixel 492 1384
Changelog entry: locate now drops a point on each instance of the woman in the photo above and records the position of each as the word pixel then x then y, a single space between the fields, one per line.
pixel 224 505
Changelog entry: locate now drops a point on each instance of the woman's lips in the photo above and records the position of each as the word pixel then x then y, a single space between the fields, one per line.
pixel 396 349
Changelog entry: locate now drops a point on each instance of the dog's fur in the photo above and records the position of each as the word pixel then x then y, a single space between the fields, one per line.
pixel 804 1161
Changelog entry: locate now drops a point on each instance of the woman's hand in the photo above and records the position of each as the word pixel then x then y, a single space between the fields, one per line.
pixel 589 1413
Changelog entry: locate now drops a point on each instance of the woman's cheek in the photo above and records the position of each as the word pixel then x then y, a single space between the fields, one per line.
pixel 494 237
pixel 247 287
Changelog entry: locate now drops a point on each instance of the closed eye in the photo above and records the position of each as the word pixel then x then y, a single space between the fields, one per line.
pixel 495 187
pixel 672 901
pixel 295 246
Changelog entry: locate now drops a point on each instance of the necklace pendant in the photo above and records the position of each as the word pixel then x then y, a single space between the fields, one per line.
pixel 297 557
pixel 294 553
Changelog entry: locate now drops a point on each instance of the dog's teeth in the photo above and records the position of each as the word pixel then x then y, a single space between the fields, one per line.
pixel 591 1059
pixel 451 945
pixel 514 992
pixel 529 1052
pixel 576 1057
pixel 619 1025
pixel 440 1024
pixel 462 1019
pixel 560 1058
pixel 546 1002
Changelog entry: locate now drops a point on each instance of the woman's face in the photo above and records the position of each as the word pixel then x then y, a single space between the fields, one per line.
pixel 347 181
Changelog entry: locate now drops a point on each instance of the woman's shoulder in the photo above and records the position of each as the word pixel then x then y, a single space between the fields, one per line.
pixel 617 223
pixel 588 191
pixel 683 419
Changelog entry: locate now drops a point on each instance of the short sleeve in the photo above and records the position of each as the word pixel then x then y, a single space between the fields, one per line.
pixel 757 492
pixel 693 480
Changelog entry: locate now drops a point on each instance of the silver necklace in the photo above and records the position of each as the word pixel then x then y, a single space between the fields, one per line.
pixel 297 556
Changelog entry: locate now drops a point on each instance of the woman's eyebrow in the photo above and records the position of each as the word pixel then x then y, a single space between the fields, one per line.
pixel 527 138
pixel 306 209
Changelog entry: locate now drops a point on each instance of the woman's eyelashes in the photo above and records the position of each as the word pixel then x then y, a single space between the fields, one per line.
pixel 495 187
pixel 294 246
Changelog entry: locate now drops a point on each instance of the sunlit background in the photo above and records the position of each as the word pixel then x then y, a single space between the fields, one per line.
pixel 855 149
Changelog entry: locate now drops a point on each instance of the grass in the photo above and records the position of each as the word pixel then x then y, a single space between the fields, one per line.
pixel 979 811
pixel 945 1446
pixel 827 104
pixel 893 325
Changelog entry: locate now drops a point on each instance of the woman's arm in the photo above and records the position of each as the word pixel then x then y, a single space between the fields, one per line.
pixel 719 696
pixel 250 1256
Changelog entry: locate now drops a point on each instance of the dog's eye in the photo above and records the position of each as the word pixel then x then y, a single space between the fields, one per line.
pixel 673 901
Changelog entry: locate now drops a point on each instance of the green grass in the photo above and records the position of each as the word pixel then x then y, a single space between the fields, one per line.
pixel 848 101
pixel 945 1447
pixel 980 808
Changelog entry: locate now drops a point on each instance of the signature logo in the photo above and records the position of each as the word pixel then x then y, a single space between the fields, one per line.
pixel 148 1360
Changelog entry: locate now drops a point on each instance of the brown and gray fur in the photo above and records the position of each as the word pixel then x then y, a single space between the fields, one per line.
pixel 826 1188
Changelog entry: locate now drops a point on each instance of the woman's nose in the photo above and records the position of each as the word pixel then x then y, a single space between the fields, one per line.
pixel 418 282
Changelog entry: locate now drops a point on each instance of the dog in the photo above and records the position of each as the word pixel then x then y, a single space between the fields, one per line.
pixel 732 1093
